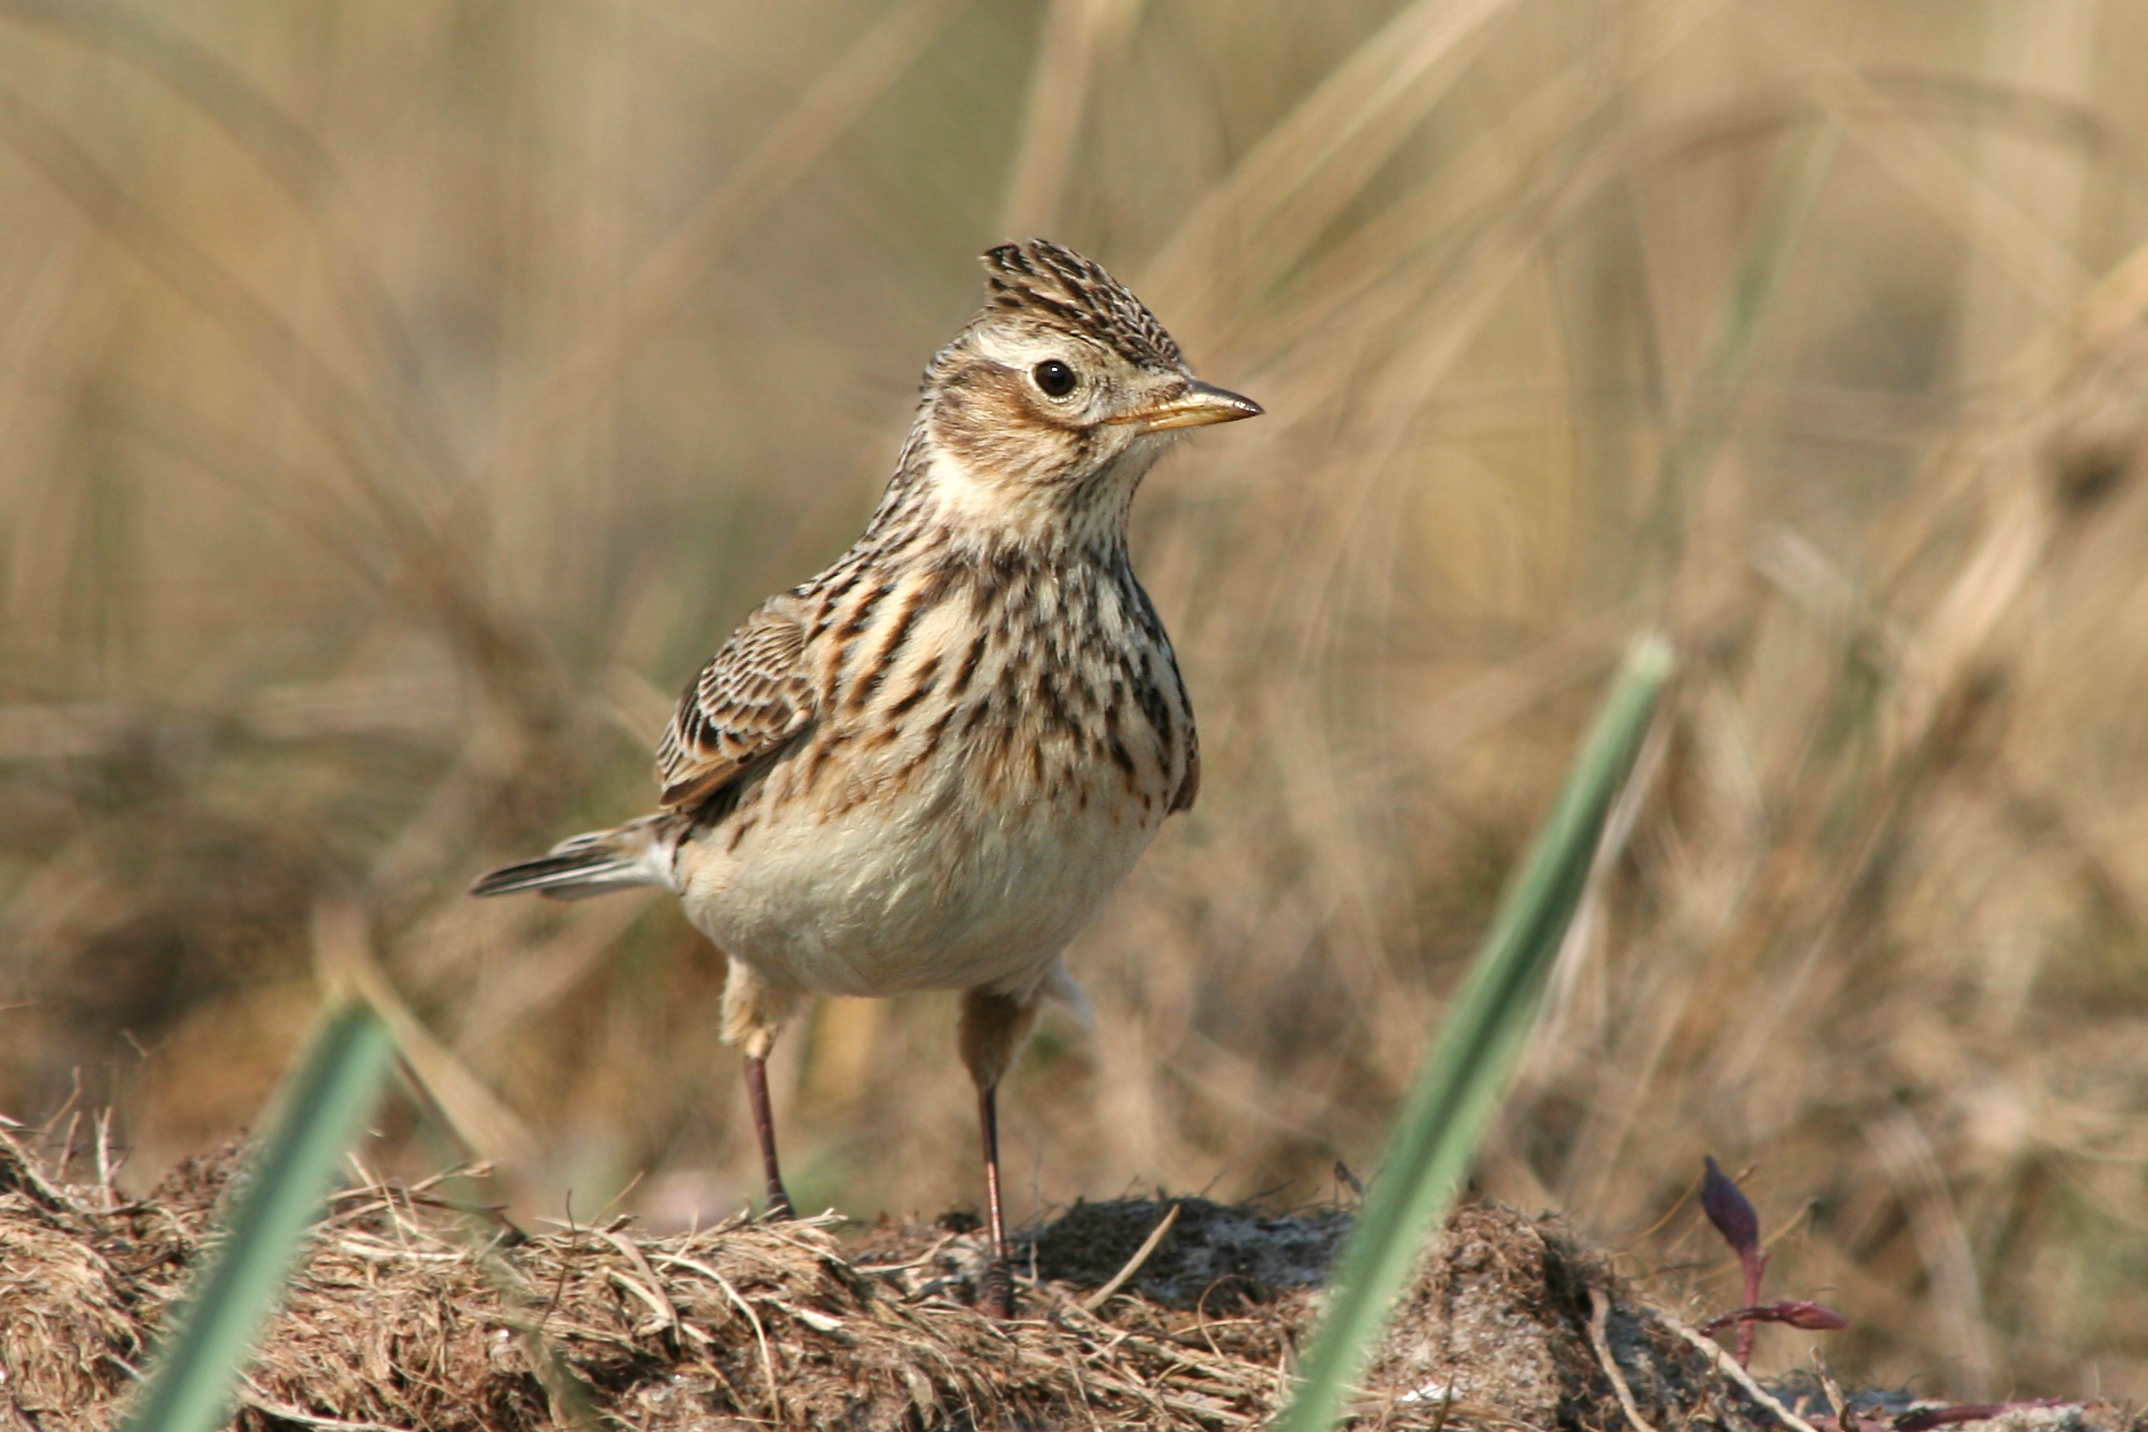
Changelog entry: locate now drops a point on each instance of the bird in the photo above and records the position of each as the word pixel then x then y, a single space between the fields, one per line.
pixel 928 766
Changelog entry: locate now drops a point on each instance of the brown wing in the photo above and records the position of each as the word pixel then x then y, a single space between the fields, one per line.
pixel 749 701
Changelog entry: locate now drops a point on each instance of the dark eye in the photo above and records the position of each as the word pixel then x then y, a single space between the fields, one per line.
pixel 1054 377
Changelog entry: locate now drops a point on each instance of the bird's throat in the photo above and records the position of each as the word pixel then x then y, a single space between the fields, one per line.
pixel 988 507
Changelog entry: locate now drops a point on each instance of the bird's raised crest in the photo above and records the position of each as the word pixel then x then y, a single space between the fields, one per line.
pixel 1056 283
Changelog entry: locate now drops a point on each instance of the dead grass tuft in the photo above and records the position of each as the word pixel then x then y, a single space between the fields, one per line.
pixel 411 1313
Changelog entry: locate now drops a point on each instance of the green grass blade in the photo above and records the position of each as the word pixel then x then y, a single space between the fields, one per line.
pixel 323 1103
pixel 1771 244
pixel 1465 1076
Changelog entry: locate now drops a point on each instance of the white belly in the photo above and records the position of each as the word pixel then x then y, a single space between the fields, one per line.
pixel 923 892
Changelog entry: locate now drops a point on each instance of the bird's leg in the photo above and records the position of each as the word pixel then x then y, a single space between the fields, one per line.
pixel 753 1012
pixel 764 1129
pixel 992 1029
pixel 988 1123
pixel 995 1291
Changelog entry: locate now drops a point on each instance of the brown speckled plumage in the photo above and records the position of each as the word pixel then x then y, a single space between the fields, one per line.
pixel 926 766
pixel 1028 672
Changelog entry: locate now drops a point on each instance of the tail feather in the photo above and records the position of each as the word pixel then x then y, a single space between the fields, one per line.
pixel 637 853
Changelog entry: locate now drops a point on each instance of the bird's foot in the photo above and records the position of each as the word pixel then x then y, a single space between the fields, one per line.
pixel 779 1208
pixel 995 1290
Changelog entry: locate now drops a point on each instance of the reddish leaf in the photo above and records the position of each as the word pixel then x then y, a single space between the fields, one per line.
pixel 1733 1216
pixel 1812 1317
pixel 1729 1211
pixel 1932 1417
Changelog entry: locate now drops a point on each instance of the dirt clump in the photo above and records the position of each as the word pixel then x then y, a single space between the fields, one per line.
pixel 1234 1252
pixel 410 1312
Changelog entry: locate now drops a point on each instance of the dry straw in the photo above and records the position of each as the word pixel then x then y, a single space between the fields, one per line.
pixel 409 1311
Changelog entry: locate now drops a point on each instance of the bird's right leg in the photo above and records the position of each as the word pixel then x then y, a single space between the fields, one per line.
pixel 753 1013
pixel 992 1029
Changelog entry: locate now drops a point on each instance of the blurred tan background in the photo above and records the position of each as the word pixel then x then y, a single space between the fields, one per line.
pixel 397 402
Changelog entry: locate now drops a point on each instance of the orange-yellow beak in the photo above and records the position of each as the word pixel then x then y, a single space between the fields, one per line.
pixel 1197 407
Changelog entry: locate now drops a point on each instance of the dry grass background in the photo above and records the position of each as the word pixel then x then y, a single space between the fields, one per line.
pixel 397 402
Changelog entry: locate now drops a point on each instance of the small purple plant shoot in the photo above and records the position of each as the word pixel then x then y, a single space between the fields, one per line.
pixel 1732 1214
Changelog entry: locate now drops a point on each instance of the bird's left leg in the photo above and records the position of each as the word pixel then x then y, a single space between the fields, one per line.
pixel 994 1024
pixel 753 1014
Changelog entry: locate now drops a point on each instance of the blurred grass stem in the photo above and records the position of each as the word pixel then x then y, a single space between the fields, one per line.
pixel 320 1110
pixel 1466 1073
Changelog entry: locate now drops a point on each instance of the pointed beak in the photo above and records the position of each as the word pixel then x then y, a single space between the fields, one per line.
pixel 1197 407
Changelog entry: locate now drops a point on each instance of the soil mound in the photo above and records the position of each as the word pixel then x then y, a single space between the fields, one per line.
pixel 412 1313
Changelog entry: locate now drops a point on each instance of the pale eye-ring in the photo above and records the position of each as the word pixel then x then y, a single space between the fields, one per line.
pixel 1054 378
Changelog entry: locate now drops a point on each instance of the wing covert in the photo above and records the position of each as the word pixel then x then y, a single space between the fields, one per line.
pixel 749 701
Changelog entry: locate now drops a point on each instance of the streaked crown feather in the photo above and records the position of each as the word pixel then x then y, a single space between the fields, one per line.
pixel 1060 285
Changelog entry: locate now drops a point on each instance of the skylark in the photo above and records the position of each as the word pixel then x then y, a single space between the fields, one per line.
pixel 929 765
